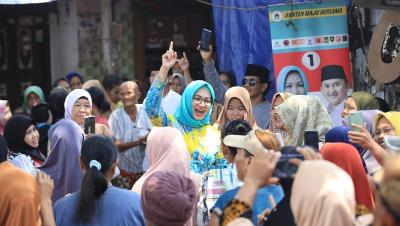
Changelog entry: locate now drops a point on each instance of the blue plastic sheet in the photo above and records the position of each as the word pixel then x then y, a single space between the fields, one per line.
pixel 243 37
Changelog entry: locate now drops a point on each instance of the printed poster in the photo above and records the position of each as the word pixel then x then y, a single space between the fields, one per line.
pixel 310 45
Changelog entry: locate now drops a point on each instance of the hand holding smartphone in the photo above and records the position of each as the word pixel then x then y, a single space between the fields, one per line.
pixel 205 39
pixel 311 139
pixel 356 119
pixel 90 124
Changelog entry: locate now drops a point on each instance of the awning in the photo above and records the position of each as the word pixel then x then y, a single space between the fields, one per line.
pixel 19 2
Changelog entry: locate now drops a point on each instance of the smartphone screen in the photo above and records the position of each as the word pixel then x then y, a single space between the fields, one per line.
pixel 311 139
pixel 356 119
pixel 90 123
pixel 205 40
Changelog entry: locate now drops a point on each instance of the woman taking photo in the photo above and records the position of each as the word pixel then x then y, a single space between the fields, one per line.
pixel 78 105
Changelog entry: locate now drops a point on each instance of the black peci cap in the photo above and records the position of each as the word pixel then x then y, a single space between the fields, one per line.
pixel 332 72
pixel 257 70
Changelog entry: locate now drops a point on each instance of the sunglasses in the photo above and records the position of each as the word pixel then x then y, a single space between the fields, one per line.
pixel 251 82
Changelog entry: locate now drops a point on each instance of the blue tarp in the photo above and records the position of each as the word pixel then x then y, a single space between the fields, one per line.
pixel 243 37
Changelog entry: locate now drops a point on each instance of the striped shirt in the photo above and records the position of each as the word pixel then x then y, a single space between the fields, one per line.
pixel 125 130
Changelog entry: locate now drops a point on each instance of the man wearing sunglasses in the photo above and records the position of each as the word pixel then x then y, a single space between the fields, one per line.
pixel 255 81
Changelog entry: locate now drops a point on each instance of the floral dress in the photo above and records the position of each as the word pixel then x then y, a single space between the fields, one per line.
pixel 203 142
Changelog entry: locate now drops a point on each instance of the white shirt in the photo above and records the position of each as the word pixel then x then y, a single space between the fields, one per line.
pixel 169 103
pixel 335 112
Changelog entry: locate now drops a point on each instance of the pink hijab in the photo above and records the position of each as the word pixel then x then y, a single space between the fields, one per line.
pixel 166 151
pixel 322 194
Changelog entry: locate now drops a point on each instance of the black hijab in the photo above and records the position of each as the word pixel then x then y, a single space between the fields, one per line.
pixel 14 133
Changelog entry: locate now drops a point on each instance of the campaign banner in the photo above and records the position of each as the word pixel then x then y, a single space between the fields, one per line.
pixel 310 46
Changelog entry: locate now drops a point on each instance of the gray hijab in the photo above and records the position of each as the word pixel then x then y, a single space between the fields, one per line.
pixel 62 164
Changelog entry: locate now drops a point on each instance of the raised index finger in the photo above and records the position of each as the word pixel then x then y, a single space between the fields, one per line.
pixel 184 56
pixel 171 46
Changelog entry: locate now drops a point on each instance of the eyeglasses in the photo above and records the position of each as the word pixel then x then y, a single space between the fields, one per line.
pixel 251 82
pixel 85 106
pixel 198 100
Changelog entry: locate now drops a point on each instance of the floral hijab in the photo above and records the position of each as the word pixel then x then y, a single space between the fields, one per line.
pixel 301 113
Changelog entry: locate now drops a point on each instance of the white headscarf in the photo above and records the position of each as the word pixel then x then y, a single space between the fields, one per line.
pixel 72 97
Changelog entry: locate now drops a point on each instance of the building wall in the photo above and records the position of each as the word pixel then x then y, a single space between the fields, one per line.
pixel 63 39
pixel 76 39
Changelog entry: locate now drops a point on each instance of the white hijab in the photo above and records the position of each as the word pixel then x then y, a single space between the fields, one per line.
pixel 72 97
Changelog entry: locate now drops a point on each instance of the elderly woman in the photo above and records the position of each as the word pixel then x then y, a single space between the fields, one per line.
pixel 78 105
pixel 191 118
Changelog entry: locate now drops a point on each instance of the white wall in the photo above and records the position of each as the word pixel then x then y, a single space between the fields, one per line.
pixel 64 39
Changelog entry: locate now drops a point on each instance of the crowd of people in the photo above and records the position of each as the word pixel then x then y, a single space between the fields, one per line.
pixel 197 152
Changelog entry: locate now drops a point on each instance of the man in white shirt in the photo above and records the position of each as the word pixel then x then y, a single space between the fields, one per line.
pixel 334 87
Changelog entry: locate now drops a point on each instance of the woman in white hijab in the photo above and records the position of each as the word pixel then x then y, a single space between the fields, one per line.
pixel 78 105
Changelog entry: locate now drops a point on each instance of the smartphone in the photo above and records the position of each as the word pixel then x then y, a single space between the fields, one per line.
pixel 311 139
pixel 90 123
pixel 356 119
pixel 205 39
pixel 3 105
pixel 285 169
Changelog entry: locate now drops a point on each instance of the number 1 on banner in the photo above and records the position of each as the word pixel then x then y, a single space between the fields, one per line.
pixel 311 60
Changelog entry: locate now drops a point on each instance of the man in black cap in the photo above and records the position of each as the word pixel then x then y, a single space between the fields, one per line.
pixel 255 81
pixel 334 88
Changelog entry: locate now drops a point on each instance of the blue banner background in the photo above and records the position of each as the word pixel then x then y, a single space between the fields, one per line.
pixel 244 37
